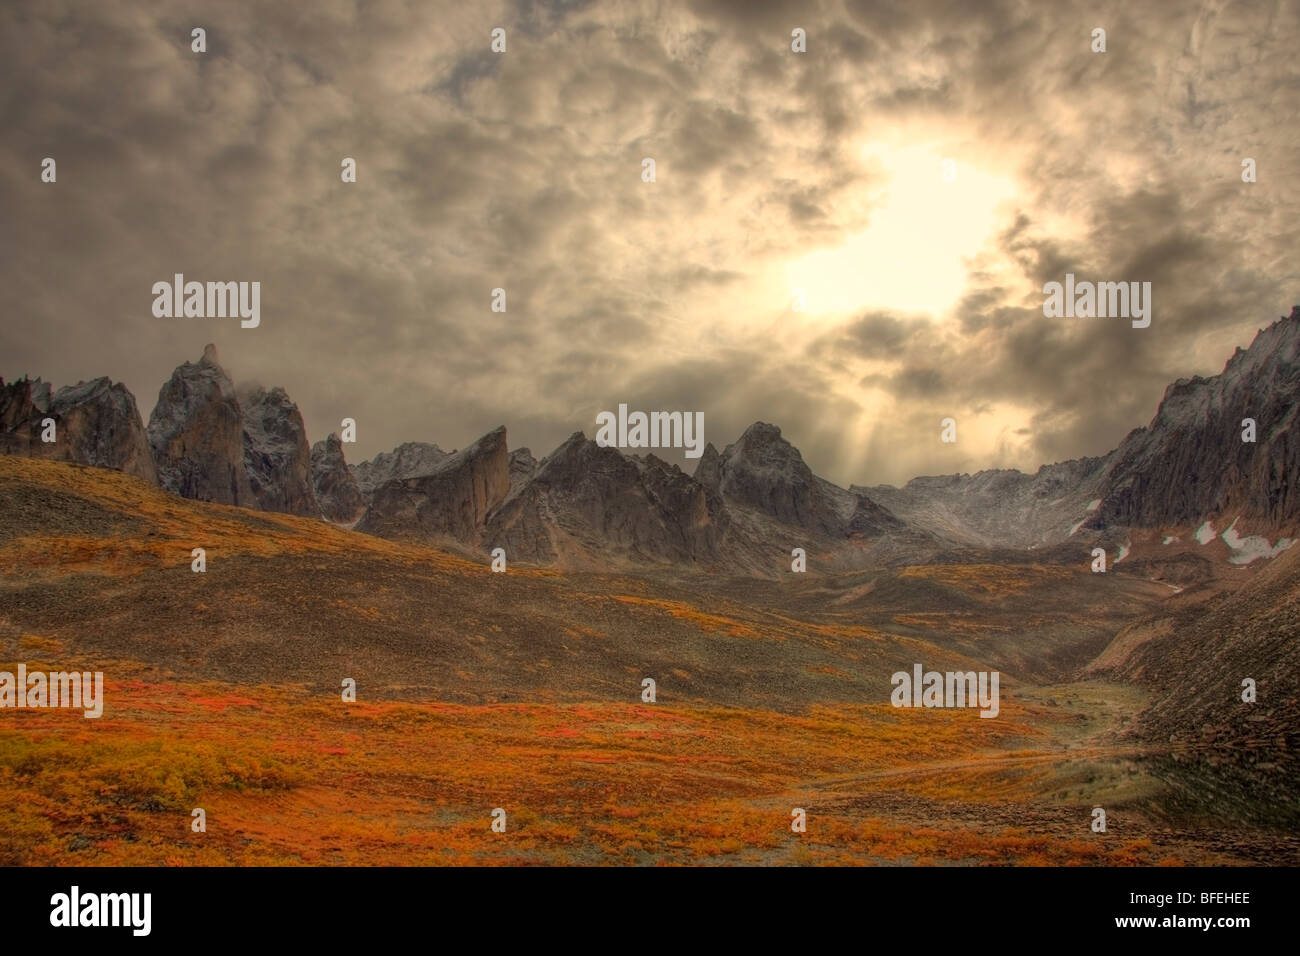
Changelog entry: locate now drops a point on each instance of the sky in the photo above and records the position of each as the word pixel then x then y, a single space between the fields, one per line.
pixel 775 171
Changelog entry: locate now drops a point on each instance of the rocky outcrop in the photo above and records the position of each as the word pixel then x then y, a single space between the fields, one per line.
pixel 451 502
pixel 277 458
pixel 196 433
pixel 764 472
pixel 336 489
pixel 1190 463
pixel 998 507
pixel 22 403
pixel 411 459
pixel 95 423
pixel 746 506
pixel 708 471
pixel 522 468
pixel 587 503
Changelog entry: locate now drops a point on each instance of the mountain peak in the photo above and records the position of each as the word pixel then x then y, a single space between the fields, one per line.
pixel 762 431
pixel 761 446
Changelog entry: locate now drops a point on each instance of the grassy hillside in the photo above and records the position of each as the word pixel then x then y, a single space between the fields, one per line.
pixel 523 691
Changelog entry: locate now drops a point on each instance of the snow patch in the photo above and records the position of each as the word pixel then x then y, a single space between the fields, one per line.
pixel 1094 504
pixel 1077 525
pixel 1251 547
pixel 1123 552
pixel 1168 538
pixel 1205 533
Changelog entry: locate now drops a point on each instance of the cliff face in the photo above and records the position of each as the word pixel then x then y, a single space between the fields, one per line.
pixel 336 489
pixel 96 423
pixel 453 501
pixel 412 459
pixel 745 508
pixel 585 501
pixel 1191 463
pixel 196 432
pixel 999 507
pixel 763 471
pixel 522 468
pixel 277 458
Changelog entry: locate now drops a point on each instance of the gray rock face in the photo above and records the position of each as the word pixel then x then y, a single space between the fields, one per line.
pixel 1190 462
pixel 586 504
pixel 196 433
pixel 708 471
pixel 744 507
pixel 411 459
pixel 764 472
pixel 336 489
pixel 453 501
pixel 1000 507
pixel 522 468
pixel 96 423
pixel 1188 465
pixel 277 458
pixel 868 519
pixel 22 406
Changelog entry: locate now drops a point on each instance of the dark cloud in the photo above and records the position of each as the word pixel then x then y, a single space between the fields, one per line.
pixel 523 171
pixel 479 65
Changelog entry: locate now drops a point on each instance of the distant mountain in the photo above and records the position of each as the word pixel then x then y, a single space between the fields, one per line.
pixel 744 510
pixel 998 508
pixel 586 504
pixel 411 459
pixel 212 443
pixel 277 457
pixel 452 501
pixel 764 472
pixel 95 423
pixel 336 489
pixel 1190 463
pixel 196 432
pixel 1187 467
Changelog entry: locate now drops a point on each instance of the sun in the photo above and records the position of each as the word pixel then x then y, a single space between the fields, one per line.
pixel 923 229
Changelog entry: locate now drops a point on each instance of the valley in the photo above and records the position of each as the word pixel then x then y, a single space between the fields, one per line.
pixel 522 691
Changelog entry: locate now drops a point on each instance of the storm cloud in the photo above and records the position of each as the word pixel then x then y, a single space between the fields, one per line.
pixel 522 171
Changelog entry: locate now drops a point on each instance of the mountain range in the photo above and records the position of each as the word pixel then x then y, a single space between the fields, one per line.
pixel 1186 477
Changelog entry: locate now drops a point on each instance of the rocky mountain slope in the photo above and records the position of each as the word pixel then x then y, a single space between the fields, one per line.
pixel 411 459
pixel 336 489
pixel 277 457
pixel 95 423
pixel 1194 657
pixel 1191 463
pixel 1188 466
pixel 196 432
pixel 745 508
pixel 586 504
pixel 1001 507
pixel 246 447
pixel 451 502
